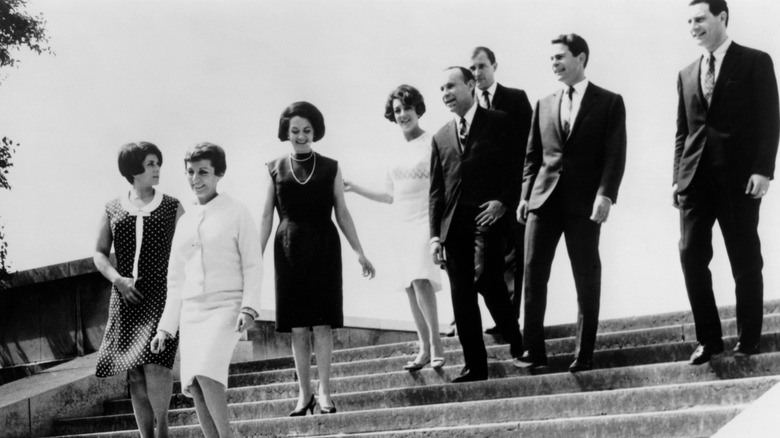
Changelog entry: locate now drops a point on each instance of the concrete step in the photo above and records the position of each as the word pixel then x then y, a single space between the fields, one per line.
pixel 499 367
pixel 394 362
pixel 605 340
pixel 675 424
pixel 644 321
pixel 652 385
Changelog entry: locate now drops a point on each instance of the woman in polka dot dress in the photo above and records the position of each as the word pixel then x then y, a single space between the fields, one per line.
pixel 140 225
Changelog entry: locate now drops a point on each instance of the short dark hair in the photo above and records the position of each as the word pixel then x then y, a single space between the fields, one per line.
pixel 306 111
pixel 467 74
pixel 132 156
pixel 207 151
pixel 408 95
pixel 491 56
pixel 575 43
pixel 716 7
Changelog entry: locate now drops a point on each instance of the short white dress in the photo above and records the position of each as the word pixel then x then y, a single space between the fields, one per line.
pixel 408 181
pixel 215 270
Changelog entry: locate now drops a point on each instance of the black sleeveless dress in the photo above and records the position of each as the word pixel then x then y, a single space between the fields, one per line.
pixel 130 329
pixel 307 248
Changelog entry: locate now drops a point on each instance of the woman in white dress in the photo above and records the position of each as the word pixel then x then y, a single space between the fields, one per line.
pixel 407 186
pixel 214 279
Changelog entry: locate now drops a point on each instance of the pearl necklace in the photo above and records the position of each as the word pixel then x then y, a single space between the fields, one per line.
pixel 311 154
pixel 314 166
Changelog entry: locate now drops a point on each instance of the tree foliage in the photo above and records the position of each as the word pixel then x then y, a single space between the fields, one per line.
pixel 18 29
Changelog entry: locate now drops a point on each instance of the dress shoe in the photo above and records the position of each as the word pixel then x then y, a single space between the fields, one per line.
pixel 417 364
pixel 704 353
pixel 302 411
pixel 470 376
pixel 438 362
pixel 452 332
pixel 530 360
pixel 580 365
pixel 743 350
pixel 493 331
pixel 328 409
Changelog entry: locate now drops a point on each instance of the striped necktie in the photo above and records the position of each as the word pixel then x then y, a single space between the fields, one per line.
pixel 463 134
pixel 709 79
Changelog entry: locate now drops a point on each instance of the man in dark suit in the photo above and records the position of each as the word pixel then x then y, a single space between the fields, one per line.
pixel 727 135
pixel 573 168
pixel 475 172
pixel 492 95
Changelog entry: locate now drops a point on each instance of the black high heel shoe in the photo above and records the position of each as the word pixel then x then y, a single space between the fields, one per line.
pixel 309 407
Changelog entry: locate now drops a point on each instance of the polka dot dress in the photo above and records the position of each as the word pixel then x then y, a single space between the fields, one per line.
pixel 130 329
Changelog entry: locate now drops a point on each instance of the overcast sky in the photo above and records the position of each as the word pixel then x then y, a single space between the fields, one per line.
pixel 176 73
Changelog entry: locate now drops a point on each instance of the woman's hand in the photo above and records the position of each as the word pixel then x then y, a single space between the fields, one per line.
pixel 158 342
pixel 347 186
pixel 368 268
pixel 126 288
pixel 243 322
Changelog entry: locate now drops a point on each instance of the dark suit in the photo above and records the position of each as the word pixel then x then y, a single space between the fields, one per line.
pixel 718 147
pixel 514 102
pixel 488 169
pixel 561 180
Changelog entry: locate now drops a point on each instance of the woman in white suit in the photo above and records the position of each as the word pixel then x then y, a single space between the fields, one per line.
pixel 214 279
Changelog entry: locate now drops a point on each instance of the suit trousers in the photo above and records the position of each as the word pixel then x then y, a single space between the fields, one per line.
pixel 708 198
pixel 543 232
pixel 475 264
pixel 515 262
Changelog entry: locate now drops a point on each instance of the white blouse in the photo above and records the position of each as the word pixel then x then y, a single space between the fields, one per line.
pixel 216 247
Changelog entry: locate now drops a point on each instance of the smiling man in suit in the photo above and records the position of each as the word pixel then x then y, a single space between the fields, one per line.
pixel 573 168
pixel 514 102
pixel 475 170
pixel 727 136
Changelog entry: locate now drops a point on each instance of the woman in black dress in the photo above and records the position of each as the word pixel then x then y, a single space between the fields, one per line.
pixel 140 225
pixel 305 188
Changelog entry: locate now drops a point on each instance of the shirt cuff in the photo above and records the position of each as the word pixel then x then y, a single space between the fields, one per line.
pixel 250 311
pixel 607 198
pixel 434 240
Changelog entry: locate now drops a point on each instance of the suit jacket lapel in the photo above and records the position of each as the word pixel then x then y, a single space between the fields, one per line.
pixel 555 110
pixel 590 96
pixel 497 97
pixel 729 61
pixel 474 130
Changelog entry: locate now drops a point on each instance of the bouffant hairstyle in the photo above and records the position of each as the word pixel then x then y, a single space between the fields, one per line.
pixel 576 45
pixel 306 111
pixel 408 95
pixel 207 151
pixel 132 156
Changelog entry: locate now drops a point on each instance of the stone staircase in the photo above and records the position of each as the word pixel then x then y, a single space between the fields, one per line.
pixel 642 386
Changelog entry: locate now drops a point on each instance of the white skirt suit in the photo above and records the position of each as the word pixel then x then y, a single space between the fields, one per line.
pixel 215 270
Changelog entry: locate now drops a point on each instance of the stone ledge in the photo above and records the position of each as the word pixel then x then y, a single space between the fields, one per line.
pixel 28 407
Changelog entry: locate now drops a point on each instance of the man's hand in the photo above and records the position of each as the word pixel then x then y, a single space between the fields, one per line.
pixel 491 213
pixel 675 197
pixel 437 253
pixel 757 186
pixel 601 207
pixel 522 212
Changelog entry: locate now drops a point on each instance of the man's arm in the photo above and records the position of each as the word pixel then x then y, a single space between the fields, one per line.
pixel 679 139
pixel 614 150
pixel 767 123
pixel 436 204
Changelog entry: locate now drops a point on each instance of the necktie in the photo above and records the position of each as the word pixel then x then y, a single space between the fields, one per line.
pixel 485 99
pixel 463 134
pixel 709 79
pixel 567 119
